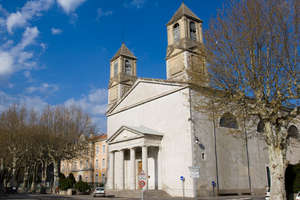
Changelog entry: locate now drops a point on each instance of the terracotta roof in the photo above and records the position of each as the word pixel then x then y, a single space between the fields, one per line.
pixel 123 51
pixel 183 10
pixel 99 137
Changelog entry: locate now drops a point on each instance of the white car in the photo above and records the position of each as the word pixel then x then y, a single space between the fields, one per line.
pixel 298 196
pixel 99 191
pixel 267 196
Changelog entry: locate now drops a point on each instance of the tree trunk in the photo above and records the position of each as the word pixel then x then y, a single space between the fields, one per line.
pixel 25 180
pixel 2 175
pixel 55 175
pixel 277 167
pixel 33 183
pixel 44 172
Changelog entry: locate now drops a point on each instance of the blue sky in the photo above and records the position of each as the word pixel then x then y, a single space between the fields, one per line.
pixel 58 51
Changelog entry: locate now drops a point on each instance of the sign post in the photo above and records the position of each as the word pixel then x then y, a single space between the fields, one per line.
pixel 213 183
pixel 195 174
pixel 142 182
pixel 182 180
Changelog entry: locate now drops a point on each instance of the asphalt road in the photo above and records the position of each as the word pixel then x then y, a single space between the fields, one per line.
pixel 89 197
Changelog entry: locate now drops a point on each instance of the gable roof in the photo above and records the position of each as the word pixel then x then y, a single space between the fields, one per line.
pixel 140 131
pixel 123 51
pixel 148 81
pixel 183 10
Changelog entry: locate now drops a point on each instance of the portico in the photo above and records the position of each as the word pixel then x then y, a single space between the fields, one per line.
pixel 131 150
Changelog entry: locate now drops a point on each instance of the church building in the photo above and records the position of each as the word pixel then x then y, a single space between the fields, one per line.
pixel 154 127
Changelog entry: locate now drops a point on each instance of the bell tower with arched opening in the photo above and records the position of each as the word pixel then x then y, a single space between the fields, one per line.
pixel 122 74
pixel 185 42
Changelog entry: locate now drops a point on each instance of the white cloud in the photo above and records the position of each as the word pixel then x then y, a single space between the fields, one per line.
pixel 15 20
pixel 29 10
pixel 94 103
pixel 56 31
pixel 101 13
pixel 70 5
pixel 29 37
pixel 135 3
pixel 45 88
pixel 6 63
pixel 35 102
pixel 15 58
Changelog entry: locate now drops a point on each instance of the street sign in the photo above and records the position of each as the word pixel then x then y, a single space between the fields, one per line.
pixel 142 183
pixel 213 183
pixel 194 172
pixel 182 178
pixel 142 176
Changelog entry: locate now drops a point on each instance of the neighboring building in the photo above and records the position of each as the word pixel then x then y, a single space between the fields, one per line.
pixel 90 167
pixel 152 125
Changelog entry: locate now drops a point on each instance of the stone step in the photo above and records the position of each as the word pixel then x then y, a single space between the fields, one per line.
pixel 154 194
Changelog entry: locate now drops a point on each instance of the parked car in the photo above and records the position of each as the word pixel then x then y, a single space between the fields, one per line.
pixel 99 191
pixel 298 196
pixel 267 195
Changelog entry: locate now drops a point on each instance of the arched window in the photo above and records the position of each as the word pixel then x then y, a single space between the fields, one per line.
pixel 103 163
pixel 176 32
pixel 293 132
pixel 127 67
pixel 193 31
pixel 260 127
pixel 116 68
pixel 228 120
pixel 96 178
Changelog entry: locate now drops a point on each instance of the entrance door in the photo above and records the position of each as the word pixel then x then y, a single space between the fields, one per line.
pixel 139 170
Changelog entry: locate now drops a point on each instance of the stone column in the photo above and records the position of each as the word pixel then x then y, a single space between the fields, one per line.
pixel 111 177
pixel 121 178
pixel 132 169
pixel 145 163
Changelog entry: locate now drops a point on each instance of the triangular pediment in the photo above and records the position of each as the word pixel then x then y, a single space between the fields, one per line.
pixel 143 91
pixel 124 134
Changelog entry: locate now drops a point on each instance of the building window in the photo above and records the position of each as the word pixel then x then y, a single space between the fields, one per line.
pixel 116 68
pixel 176 32
pixel 81 164
pixel 96 178
pixel 103 163
pixel 75 165
pixel 97 150
pixel 293 132
pixel 193 31
pixel 103 148
pixel 228 120
pixel 96 163
pixel 260 127
pixel 127 67
pixel 87 164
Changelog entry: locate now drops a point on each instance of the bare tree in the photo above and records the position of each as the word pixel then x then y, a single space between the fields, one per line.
pixel 31 141
pixel 252 56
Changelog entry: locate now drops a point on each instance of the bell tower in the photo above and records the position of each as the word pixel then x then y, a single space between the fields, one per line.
pixel 184 52
pixel 122 74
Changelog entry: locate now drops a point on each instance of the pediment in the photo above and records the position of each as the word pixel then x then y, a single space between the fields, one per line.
pixel 142 91
pixel 124 134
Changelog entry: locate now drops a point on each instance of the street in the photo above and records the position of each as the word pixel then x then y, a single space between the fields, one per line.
pixel 87 197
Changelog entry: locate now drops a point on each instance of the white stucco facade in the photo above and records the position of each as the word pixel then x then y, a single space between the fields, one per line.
pixel 154 126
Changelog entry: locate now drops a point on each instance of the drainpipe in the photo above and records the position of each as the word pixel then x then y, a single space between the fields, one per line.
pixel 247 152
pixel 216 153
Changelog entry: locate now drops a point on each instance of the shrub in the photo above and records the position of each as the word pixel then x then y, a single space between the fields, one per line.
pixel 72 179
pixel 82 186
pixel 65 183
